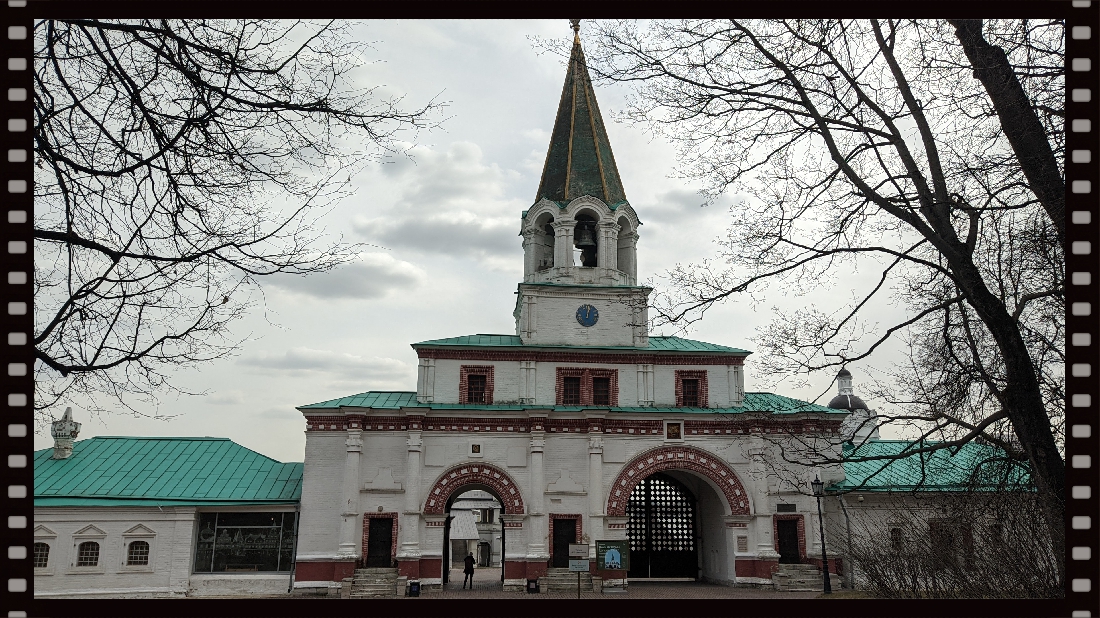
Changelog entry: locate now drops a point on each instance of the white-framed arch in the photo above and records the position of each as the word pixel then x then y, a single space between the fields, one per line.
pixel 548 242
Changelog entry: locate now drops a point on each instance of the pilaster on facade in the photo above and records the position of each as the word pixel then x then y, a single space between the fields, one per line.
pixel 736 378
pixel 645 385
pixel 425 380
pixel 607 249
pixel 527 382
pixel 349 543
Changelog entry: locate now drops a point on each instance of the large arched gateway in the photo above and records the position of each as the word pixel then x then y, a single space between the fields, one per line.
pixel 581 424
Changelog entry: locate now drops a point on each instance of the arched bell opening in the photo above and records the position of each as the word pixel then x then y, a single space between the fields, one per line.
pixel 586 240
pixel 542 242
pixel 626 249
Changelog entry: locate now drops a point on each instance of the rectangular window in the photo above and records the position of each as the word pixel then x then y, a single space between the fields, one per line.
pixel 475 388
pixel 691 393
pixel 897 541
pixel 601 391
pixel 571 391
pixel 41 555
pixel 238 542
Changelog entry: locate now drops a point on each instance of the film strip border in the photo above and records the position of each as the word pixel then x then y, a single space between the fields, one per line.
pixel 1082 332
pixel 18 378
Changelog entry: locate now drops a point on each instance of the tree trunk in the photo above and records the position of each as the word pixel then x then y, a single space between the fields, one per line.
pixel 1018 120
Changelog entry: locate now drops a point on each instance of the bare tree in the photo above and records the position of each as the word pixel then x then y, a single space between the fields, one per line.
pixel 177 163
pixel 867 144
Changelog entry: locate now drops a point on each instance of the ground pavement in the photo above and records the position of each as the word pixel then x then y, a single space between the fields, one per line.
pixel 487 586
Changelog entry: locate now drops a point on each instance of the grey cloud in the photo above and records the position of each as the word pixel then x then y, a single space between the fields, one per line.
pixel 443 235
pixel 301 361
pixel 373 276
pixel 672 205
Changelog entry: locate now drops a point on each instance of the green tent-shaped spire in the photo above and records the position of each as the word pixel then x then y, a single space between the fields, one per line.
pixel 579 161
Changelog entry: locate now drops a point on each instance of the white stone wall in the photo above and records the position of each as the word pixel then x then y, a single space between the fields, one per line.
pixel 508 382
pixel 322 482
pixel 551 318
pixel 169 552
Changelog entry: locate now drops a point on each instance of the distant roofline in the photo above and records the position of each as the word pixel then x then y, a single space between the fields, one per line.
pixel 446 343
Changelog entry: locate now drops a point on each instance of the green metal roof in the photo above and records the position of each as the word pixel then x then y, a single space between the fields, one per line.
pixel 579 159
pixel 945 469
pixel 125 471
pixel 390 400
pixel 656 344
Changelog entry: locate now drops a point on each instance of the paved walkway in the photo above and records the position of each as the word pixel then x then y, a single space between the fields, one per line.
pixel 487 586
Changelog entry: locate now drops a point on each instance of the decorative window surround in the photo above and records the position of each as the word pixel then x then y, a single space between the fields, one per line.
pixel 463 382
pixel 692 374
pixel 586 374
pixel 88 534
pixel 137 533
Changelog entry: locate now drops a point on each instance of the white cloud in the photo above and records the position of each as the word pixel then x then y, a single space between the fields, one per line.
pixel 375 275
pixel 225 398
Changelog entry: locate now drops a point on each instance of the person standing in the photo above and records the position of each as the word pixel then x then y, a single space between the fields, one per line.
pixel 469 571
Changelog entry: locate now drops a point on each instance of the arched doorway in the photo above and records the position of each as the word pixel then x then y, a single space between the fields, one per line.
pixel 473 526
pixel 464 478
pixel 685 501
pixel 663 530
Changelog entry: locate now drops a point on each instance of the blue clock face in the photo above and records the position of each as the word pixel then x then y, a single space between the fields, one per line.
pixel 587 315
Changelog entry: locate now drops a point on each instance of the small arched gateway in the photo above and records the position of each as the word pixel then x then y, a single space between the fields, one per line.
pixel 485 476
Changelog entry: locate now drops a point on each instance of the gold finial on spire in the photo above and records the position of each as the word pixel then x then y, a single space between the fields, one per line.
pixel 576 25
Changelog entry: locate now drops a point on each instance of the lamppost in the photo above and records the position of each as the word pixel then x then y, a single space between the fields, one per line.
pixel 819 491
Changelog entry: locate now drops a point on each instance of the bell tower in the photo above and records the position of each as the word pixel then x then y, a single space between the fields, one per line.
pixel 580 266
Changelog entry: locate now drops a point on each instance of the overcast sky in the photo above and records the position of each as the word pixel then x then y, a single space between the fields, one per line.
pixel 449 257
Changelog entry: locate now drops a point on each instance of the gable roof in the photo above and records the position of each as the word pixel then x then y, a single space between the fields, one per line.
pixel 126 471
pixel 971 466
pixel 657 343
pixel 395 400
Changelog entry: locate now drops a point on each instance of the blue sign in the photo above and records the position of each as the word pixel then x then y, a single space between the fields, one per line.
pixel 613 555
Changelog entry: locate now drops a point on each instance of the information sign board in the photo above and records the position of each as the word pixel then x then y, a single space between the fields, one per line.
pixel 578 566
pixel 613 555
pixel 578 550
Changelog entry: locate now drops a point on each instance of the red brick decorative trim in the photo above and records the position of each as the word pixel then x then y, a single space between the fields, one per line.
pixel 475 370
pixel 393 535
pixel 734 426
pixel 467 474
pixel 704 390
pixel 577 537
pixel 612 358
pixel 801 519
pixel 586 374
pixel 677 458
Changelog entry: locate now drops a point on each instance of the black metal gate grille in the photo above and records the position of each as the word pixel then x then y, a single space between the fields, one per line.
pixel 661 529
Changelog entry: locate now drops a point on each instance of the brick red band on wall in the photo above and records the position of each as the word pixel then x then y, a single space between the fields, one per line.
pixel 610 358
pixel 464 384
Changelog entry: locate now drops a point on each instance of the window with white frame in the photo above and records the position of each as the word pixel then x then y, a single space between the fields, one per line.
pixel 87 554
pixel 41 555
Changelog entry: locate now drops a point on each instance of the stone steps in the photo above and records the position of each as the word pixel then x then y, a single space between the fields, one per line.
pixel 798 578
pixel 562 580
pixel 374 583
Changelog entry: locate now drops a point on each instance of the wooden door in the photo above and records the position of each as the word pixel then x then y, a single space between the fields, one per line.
pixel 788 541
pixel 565 532
pixel 379 541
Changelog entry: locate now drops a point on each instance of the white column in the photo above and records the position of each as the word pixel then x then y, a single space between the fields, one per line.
pixel 530 252
pixel 645 385
pixel 527 382
pixel 736 377
pixel 758 476
pixel 563 243
pixel 409 528
pixel 607 251
pixel 349 507
pixel 595 491
pixel 425 380
pixel 629 241
pixel 536 522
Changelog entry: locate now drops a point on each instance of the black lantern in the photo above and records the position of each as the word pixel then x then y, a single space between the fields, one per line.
pixel 819 491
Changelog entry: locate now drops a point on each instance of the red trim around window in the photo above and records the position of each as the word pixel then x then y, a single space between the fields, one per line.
pixel 463 382
pixel 692 374
pixel 586 374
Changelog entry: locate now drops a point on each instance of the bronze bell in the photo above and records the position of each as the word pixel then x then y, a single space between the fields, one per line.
pixel 586 236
